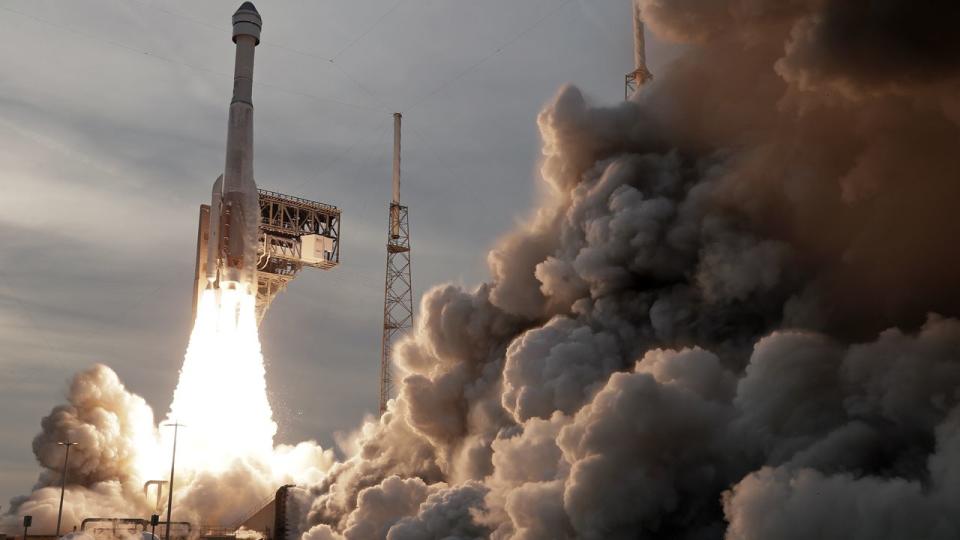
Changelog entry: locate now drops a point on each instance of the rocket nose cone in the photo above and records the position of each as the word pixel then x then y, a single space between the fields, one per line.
pixel 248 6
pixel 247 22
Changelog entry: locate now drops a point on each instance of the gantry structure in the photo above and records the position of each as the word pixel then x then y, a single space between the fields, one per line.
pixel 294 233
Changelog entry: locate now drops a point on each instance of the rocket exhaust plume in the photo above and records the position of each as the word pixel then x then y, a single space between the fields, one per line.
pixel 222 392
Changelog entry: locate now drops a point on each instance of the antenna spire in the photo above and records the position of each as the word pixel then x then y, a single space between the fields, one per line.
pixel 397 118
pixel 398 285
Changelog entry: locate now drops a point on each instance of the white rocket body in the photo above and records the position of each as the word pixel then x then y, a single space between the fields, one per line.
pixel 235 205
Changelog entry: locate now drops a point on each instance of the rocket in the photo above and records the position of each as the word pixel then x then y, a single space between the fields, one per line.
pixel 233 216
pixel 640 74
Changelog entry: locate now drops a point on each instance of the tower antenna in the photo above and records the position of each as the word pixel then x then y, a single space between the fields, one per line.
pixel 398 286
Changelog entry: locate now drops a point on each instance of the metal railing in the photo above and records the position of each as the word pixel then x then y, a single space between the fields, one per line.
pixel 299 200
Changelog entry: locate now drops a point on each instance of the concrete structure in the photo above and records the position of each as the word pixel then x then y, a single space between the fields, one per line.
pixel 249 238
pixel 398 285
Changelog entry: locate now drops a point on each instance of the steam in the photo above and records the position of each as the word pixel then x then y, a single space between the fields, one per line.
pixel 114 430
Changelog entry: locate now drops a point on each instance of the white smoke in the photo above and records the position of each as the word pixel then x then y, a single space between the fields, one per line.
pixel 227 464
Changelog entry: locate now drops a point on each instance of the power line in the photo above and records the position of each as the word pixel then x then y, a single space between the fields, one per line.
pixel 432 151
pixel 343 153
pixel 221 30
pixel 362 88
pixel 265 43
pixel 149 54
pixel 498 50
pixel 184 16
pixel 332 59
pixel 379 104
pixel 366 32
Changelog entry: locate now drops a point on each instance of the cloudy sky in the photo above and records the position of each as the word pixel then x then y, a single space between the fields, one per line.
pixel 112 129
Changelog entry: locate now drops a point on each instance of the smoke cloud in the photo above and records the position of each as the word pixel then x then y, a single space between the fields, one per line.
pixel 224 472
pixel 730 317
pixel 111 427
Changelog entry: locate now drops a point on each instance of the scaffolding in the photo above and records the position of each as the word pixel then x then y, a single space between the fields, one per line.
pixel 398 295
pixel 294 233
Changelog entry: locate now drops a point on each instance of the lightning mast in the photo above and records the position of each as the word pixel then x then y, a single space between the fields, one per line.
pixel 640 74
pixel 398 287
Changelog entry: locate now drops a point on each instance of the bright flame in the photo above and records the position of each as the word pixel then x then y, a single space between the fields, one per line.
pixel 222 393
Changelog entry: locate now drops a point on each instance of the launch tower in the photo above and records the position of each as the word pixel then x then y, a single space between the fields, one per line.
pixel 294 233
pixel 398 286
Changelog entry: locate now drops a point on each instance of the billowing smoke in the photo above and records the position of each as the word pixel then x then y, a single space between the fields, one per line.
pixel 730 317
pixel 227 464
pixel 113 430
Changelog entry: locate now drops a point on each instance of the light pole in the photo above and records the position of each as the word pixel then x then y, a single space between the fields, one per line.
pixel 173 461
pixel 63 480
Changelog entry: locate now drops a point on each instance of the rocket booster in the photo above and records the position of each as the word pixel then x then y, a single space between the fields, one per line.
pixel 234 206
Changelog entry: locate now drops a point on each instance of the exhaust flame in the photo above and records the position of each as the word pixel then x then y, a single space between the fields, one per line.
pixel 222 393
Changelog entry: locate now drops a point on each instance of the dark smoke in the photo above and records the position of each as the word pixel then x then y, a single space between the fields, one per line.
pixel 731 318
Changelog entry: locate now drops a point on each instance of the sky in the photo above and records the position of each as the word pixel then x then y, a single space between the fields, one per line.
pixel 112 129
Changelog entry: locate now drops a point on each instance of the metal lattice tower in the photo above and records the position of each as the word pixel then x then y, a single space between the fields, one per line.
pixel 640 74
pixel 398 286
